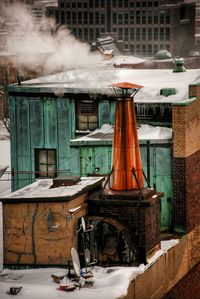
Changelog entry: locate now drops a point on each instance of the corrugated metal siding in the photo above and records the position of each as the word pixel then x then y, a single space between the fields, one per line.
pixel 97 160
pixel 39 123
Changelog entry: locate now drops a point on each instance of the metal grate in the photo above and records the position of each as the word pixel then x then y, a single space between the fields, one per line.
pixel 87 107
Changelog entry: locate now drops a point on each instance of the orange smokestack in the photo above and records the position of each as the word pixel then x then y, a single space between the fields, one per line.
pixel 126 151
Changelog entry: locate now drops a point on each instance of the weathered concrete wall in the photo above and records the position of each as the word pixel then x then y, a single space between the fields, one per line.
pixel 169 269
pixel 27 239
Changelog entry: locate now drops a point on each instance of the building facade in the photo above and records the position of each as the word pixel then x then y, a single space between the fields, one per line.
pixel 141 27
pixel 47 117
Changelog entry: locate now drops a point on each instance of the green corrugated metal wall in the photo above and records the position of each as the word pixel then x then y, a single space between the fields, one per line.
pixel 39 123
pixel 96 159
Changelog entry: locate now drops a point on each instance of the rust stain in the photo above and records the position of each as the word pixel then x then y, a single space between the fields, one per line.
pixel 127 85
pixel 126 151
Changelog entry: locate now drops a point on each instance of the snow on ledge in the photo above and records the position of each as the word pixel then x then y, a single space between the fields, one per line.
pixel 110 283
pixel 42 189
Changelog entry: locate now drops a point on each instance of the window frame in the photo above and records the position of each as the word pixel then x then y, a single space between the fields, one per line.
pixel 38 163
pixel 86 114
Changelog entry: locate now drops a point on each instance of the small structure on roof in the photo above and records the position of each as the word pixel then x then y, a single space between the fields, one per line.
pixel 130 62
pixel 125 186
pixel 39 216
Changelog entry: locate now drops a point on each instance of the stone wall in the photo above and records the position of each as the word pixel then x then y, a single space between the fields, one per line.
pixel 27 238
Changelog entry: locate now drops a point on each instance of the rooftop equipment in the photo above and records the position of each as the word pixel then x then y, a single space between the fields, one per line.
pixel 127 168
pixel 178 65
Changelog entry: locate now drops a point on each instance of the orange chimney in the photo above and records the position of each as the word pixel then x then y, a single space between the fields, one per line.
pixel 127 168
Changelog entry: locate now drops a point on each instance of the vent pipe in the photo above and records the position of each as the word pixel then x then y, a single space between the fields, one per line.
pixel 126 166
pixel 178 65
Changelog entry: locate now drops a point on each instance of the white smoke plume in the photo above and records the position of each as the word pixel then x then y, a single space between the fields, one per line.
pixel 44 46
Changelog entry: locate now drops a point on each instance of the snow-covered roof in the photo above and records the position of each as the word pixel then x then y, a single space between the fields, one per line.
pixel 99 81
pixel 41 189
pixel 145 132
pixel 120 59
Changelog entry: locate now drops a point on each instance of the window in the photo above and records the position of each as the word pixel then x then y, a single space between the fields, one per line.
pixel 45 163
pixel 138 49
pixel 91 3
pixel 87 115
pixel 138 34
pixel 143 17
pixel 126 34
pixel 167 34
pixel 96 18
pixel 91 15
pixel 73 18
pixel 137 17
pixel 120 33
pixel 155 34
pixel 80 33
pixel 126 18
pixel 114 18
pixel 102 3
pixel 62 18
pixel 102 19
pixel 132 17
pixel 182 13
pixel 120 3
pixel 85 16
pixel 120 18
pixel 161 33
pixel 149 33
pixel 68 17
pixel 149 50
pixel 162 17
pixel 144 50
pixel 143 34
pixel 132 33
pixel 80 19
pixel 167 17
pixel 85 33
pixel 149 17
pixel 125 3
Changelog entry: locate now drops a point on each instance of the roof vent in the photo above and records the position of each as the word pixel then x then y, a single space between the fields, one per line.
pixel 167 91
pixel 178 65
pixel 61 181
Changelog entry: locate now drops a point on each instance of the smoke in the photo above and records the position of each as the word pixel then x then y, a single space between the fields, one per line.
pixel 44 47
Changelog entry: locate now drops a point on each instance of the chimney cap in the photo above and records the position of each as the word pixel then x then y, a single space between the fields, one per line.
pixel 127 85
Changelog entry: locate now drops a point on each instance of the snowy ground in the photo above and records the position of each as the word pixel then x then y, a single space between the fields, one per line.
pixel 109 283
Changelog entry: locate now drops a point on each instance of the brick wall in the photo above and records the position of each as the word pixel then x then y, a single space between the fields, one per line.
pixel 186 162
pixel 169 269
pixel 142 222
pixel 179 185
pixel 186 129
pixel 189 285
